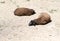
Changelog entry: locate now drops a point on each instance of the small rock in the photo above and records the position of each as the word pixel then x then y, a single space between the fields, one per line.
pixel 28 0
pixel 52 11
pixel 50 35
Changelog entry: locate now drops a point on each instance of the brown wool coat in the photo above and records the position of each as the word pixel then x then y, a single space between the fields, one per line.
pixel 24 12
pixel 44 18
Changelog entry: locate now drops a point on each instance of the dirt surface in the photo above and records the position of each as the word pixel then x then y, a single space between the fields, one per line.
pixel 15 28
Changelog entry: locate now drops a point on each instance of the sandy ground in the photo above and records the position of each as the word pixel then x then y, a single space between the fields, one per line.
pixel 14 28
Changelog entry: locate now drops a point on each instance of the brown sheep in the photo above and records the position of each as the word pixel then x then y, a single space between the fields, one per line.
pixel 24 12
pixel 43 19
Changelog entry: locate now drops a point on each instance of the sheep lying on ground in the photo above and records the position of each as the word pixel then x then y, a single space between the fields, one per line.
pixel 43 19
pixel 24 12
